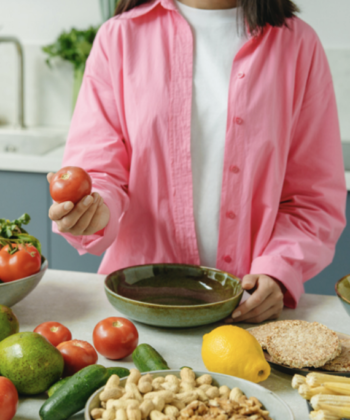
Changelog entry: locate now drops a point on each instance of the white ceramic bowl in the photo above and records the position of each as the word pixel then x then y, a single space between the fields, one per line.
pixel 278 409
pixel 14 291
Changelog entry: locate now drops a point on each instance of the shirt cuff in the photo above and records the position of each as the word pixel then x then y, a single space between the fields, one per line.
pixel 277 267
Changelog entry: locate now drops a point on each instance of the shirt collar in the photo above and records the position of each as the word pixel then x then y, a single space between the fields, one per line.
pixel 145 8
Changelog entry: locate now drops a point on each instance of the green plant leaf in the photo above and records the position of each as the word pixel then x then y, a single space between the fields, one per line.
pixel 73 46
pixel 12 233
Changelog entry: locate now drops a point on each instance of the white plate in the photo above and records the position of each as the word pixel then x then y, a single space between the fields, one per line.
pixel 278 409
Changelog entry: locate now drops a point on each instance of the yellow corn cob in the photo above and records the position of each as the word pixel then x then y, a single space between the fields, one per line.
pixel 336 410
pixel 343 389
pixel 307 392
pixel 333 400
pixel 317 379
pixel 323 415
pixel 297 381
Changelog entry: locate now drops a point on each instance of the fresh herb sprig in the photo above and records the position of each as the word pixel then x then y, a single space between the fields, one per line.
pixel 12 233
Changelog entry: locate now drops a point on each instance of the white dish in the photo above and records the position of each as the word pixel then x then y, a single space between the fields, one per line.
pixel 278 409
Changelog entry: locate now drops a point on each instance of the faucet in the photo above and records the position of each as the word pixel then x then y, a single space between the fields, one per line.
pixel 20 104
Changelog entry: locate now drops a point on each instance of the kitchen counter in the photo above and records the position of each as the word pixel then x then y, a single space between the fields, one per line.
pixel 78 301
pixel 50 162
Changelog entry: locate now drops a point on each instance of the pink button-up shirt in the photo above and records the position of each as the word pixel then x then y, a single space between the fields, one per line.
pixel 283 189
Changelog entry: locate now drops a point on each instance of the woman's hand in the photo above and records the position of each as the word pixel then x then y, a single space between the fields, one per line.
pixel 87 217
pixel 266 301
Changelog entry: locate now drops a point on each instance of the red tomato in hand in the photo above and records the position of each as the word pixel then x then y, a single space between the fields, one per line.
pixel 77 354
pixel 8 399
pixel 25 262
pixel 115 337
pixel 54 332
pixel 70 184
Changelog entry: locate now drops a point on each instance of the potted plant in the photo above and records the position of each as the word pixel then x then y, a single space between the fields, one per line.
pixel 75 47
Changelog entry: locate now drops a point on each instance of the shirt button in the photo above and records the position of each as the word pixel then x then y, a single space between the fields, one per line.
pixel 240 75
pixel 239 121
pixel 227 258
pixel 230 215
pixel 234 169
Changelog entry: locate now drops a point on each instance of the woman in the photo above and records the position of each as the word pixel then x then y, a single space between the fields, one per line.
pixel 209 143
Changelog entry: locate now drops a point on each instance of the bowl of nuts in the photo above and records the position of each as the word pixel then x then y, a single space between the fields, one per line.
pixel 182 395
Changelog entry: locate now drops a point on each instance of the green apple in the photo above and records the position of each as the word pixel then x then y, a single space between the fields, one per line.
pixel 30 362
pixel 8 322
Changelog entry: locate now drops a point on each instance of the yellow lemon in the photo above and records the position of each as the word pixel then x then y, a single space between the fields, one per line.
pixel 234 351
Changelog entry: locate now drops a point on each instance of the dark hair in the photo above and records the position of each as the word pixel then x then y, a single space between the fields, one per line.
pixel 256 13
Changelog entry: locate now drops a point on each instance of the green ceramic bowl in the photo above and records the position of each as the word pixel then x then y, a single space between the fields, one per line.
pixel 14 291
pixel 342 289
pixel 173 295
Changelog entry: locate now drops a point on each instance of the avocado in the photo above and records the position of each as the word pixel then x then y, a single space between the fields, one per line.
pixel 8 322
pixel 30 362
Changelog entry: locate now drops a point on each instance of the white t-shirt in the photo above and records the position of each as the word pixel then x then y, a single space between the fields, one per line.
pixel 216 42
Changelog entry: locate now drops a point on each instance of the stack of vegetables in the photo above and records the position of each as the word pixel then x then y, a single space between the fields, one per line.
pixel 329 395
pixel 20 252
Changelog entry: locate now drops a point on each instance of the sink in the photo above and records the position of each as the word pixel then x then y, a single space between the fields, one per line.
pixel 30 141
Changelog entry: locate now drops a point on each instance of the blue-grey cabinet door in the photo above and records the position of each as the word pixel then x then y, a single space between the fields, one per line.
pixel 65 257
pixel 323 283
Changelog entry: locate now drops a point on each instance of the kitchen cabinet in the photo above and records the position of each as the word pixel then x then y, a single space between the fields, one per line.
pixel 28 192
pixel 324 282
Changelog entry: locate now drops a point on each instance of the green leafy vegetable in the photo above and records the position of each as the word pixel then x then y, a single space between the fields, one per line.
pixel 73 46
pixel 12 233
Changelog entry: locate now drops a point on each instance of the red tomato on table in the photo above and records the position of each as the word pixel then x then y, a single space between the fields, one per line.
pixel 54 332
pixel 8 399
pixel 25 262
pixel 115 337
pixel 70 184
pixel 77 354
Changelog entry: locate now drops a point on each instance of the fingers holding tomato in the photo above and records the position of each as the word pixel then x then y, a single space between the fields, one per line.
pixel 18 261
pixel 54 332
pixel 77 354
pixel 115 337
pixel 8 399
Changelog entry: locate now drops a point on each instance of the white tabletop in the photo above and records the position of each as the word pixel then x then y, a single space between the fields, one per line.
pixel 78 301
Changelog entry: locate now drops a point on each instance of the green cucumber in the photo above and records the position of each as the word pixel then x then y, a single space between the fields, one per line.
pixel 53 388
pixel 146 359
pixel 72 396
pixel 120 371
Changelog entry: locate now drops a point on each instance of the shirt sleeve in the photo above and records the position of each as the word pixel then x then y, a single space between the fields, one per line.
pixel 96 143
pixel 311 213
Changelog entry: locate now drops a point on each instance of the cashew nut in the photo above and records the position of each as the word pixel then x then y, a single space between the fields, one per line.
pixel 134 376
pixel 145 383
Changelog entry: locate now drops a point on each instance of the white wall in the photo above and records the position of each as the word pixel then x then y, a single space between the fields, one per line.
pixel 40 21
pixel 48 91
pixel 330 19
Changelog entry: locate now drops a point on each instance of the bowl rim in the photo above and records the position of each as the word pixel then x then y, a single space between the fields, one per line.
pixel 337 291
pixel 199 372
pixel 44 266
pixel 156 305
